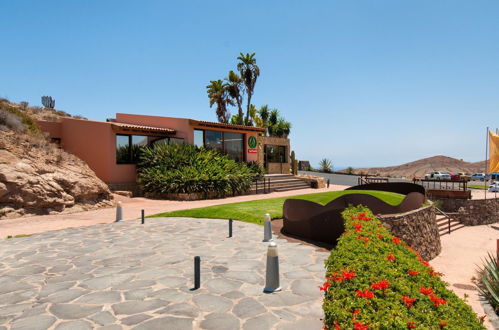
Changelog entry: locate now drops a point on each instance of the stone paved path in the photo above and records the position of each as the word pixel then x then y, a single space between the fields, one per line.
pixel 131 276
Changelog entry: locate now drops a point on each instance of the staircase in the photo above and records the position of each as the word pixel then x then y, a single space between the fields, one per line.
pixel 279 182
pixel 446 223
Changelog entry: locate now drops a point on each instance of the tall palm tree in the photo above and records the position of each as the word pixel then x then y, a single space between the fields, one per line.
pixel 235 85
pixel 264 116
pixel 217 93
pixel 249 73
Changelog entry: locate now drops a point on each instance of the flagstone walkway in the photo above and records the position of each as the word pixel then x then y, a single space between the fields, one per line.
pixel 127 275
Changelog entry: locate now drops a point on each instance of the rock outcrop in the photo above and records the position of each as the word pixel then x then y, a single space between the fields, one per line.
pixel 36 177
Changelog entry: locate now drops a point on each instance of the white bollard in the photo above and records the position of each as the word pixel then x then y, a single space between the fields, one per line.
pixel 267 228
pixel 272 283
pixel 119 212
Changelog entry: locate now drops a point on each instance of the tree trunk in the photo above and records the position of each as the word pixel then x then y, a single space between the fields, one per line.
pixel 248 108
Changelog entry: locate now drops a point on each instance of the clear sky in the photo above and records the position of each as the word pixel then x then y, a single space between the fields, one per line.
pixel 364 83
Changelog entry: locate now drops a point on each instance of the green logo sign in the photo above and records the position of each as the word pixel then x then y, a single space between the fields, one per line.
pixel 252 142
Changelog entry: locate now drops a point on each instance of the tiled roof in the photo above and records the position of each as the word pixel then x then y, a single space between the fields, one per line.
pixel 227 126
pixel 133 127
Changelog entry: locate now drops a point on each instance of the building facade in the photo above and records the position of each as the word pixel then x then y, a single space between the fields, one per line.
pixel 110 148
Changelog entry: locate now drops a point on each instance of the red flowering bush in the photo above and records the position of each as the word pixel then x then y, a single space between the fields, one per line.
pixel 375 280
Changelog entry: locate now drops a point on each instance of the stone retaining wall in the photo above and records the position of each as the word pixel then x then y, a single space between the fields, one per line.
pixel 418 228
pixel 472 212
pixel 314 181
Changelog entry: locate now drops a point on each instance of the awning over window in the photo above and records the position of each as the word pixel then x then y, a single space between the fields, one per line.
pixel 140 129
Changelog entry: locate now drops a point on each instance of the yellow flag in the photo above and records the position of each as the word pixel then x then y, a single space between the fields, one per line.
pixel 494 152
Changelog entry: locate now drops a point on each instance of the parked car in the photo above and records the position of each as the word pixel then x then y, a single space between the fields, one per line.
pixel 454 176
pixel 479 177
pixel 494 176
pixel 494 187
pixel 463 176
pixel 438 175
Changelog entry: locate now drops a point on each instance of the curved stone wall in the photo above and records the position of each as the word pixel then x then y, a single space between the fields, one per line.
pixel 418 228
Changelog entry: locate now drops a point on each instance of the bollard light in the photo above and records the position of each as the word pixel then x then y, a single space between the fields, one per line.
pixel 142 216
pixel 197 272
pixel 272 283
pixel 119 212
pixel 230 227
pixel 267 228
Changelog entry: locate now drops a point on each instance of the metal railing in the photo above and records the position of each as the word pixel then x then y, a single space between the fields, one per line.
pixel 371 179
pixel 264 184
pixel 437 184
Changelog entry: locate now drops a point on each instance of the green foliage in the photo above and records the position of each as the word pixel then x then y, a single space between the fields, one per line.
pixel 397 280
pixel 30 125
pixel 325 165
pixel 277 125
pixel 488 282
pixel 349 170
pixel 257 170
pixel 183 168
pixel 218 93
pixel 294 163
pixel 253 211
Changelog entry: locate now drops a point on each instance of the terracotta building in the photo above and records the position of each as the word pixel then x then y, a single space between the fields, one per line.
pixel 108 147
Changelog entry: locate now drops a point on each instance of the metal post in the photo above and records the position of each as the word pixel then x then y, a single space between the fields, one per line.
pixel 267 228
pixel 119 212
pixel 142 216
pixel 230 227
pixel 328 181
pixel 197 272
pixel 486 156
pixel 272 283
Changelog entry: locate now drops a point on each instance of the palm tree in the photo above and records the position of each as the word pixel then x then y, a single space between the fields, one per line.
pixel 249 73
pixel 272 122
pixel 235 90
pixel 217 93
pixel 264 116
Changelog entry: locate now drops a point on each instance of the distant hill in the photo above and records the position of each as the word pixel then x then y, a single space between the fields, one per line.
pixel 38 113
pixel 420 167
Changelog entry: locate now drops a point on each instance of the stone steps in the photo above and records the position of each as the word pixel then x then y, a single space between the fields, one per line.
pixel 443 225
pixel 280 182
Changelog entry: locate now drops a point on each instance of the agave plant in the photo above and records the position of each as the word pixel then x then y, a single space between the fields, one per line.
pixel 325 165
pixel 488 282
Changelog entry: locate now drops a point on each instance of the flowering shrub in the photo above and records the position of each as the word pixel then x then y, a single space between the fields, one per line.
pixel 375 280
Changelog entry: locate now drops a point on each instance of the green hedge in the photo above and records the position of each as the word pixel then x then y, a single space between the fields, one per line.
pixel 375 280
pixel 183 168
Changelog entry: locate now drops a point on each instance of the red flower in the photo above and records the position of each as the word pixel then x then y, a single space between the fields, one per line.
pixel 425 263
pixel 396 240
pixel 352 217
pixel 425 291
pixel 365 239
pixel 360 326
pixel 412 272
pixel 325 286
pixel 380 225
pixel 364 294
pixel 436 300
pixel 381 285
pixel 380 236
pixel 348 274
pixel 362 214
pixel 337 326
pixel 408 301
pixel 357 311
pixel 410 325
pixel 443 324
pixel 358 230
pixel 390 257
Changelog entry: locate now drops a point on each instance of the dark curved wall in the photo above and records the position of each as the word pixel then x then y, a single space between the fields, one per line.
pixel 325 224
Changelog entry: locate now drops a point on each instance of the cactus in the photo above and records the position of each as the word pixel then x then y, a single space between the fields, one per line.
pixel 294 163
pixel 48 102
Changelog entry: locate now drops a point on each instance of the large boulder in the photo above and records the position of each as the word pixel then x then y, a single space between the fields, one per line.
pixel 36 177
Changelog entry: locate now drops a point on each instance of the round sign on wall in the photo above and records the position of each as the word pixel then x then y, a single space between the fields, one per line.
pixel 252 142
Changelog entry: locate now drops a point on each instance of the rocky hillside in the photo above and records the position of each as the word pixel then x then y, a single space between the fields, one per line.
pixel 36 177
pixel 420 167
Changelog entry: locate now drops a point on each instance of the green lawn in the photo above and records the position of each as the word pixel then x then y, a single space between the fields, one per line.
pixel 253 211
pixel 479 186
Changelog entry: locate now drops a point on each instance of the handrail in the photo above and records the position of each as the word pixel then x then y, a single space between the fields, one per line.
pixel 266 185
pixel 445 215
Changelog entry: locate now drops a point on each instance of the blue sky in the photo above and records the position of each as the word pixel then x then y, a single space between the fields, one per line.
pixel 364 83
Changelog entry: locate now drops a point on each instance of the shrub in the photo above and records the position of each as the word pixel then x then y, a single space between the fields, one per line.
pixel 350 170
pixel 28 122
pixel 257 170
pixel 183 168
pixel 11 121
pixel 325 165
pixel 376 280
pixel 488 282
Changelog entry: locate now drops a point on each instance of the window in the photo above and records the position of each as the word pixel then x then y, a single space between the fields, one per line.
pixel 128 146
pixel 275 154
pixel 231 144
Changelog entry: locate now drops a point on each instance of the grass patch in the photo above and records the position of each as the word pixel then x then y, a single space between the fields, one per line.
pixel 18 236
pixel 253 211
pixel 478 186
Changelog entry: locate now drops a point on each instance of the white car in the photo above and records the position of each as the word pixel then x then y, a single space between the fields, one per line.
pixel 479 177
pixel 438 175
pixel 494 187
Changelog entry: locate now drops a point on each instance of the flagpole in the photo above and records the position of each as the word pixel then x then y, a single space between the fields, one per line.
pixel 486 165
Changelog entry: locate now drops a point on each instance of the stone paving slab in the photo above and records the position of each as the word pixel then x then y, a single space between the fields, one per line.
pixel 131 276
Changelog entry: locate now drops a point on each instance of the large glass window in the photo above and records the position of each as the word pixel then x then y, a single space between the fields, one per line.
pixel 233 146
pixel 213 140
pixel 275 154
pixel 199 138
pixel 128 146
